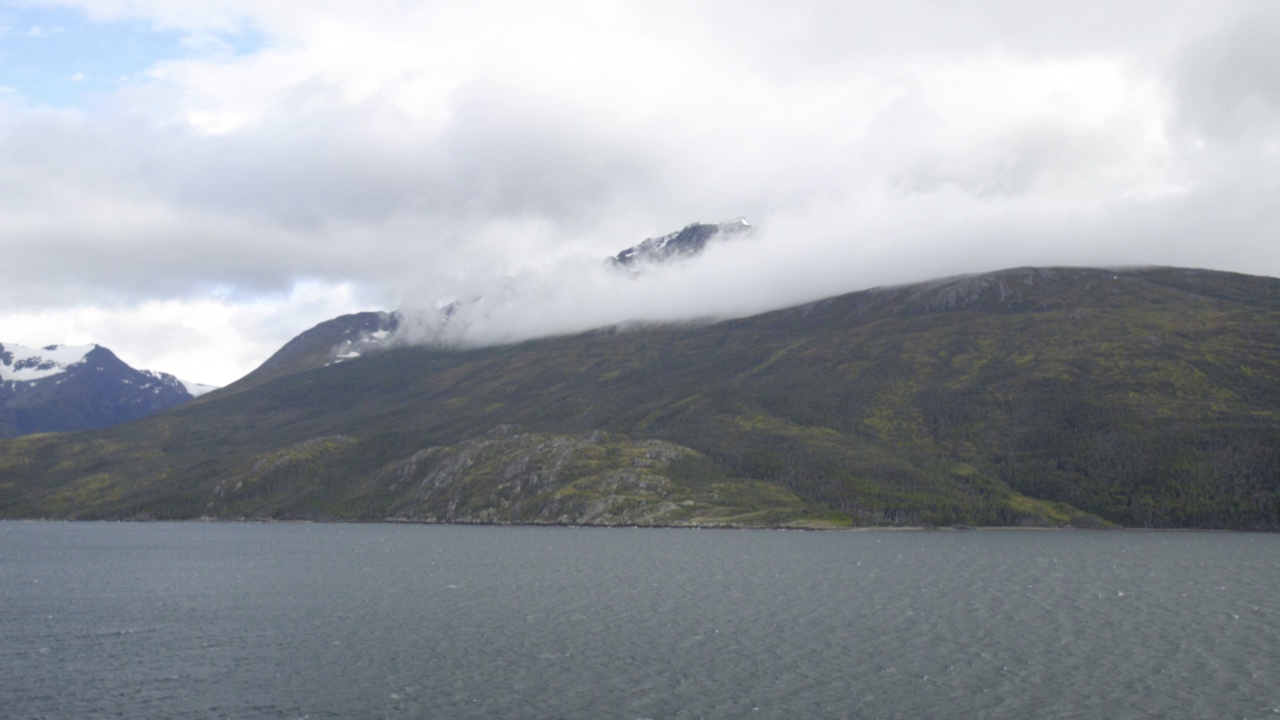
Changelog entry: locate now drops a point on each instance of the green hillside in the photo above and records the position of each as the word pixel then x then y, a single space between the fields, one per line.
pixel 1026 397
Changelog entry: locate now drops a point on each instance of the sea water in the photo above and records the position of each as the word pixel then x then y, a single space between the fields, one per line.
pixel 214 620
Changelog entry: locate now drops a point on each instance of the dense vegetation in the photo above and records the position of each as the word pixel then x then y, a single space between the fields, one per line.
pixel 1038 397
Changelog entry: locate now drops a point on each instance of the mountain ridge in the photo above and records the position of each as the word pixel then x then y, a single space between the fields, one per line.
pixel 1041 396
pixel 63 388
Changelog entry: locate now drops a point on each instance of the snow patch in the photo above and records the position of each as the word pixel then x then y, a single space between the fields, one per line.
pixel 359 345
pixel 195 390
pixel 19 363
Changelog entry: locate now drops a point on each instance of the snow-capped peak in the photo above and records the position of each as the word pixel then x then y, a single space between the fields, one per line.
pixel 22 364
pixel 684 243
pixel 19 363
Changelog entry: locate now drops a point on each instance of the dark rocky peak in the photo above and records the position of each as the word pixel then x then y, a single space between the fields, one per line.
pixel 343 337
pixel 685 243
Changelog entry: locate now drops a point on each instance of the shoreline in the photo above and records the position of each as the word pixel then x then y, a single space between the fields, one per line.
pixel 622 526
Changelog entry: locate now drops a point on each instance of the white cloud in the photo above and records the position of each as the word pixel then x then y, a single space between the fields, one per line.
pixel 212 338
pixel 39 31
pixel 412 151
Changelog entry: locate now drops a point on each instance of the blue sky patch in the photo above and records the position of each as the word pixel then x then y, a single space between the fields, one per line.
pixel 58 57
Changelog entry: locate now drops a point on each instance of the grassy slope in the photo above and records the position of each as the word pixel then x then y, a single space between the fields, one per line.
pixel 1144 398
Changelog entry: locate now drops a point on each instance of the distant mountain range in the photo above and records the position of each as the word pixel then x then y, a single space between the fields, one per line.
pixel 1032 396
pixel 61 388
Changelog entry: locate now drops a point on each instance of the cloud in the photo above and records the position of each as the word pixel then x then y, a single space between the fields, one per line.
pixel 410 152
pixel 177 335
pixel 39 31
pixel 1228 80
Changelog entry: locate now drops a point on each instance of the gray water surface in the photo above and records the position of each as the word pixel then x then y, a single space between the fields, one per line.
pixel 205 620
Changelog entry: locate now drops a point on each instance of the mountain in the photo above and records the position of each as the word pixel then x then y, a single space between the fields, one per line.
pixel 63 388
pixel 1033 396
pixel 333 341
pixel 682 244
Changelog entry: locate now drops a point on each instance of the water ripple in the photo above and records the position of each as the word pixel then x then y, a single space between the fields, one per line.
pixel 327 621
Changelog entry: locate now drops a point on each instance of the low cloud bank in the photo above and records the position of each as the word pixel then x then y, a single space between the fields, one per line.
pixel 497 150
pixel 839 247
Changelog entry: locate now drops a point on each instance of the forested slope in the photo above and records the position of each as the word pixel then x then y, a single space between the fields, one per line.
pixel 1029 396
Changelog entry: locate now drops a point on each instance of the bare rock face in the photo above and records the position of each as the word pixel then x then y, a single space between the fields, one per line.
pixel 510 476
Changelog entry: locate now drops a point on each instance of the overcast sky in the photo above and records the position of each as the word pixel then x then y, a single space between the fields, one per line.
pixel 193 182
